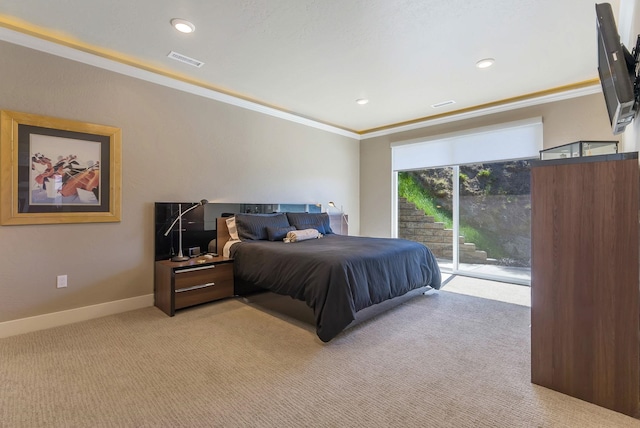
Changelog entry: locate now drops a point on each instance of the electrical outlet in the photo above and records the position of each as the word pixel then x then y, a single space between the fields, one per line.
pixel 62 281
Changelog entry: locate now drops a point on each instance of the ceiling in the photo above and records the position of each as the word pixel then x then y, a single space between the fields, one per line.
pixel 314 58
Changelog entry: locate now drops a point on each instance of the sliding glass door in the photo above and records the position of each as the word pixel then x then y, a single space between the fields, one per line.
pixel 494 213
pixel 474 217
pixel 425 207
pixel 475 186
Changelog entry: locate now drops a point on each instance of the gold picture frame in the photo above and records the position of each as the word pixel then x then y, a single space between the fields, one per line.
pixel 55 171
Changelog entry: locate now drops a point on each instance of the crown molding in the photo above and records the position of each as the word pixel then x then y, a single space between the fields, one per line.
pixel 22 34
pixel 558 94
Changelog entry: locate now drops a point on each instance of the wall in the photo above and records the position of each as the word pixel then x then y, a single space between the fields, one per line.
pixel 176 146
pixel 583 118
pixel 629 27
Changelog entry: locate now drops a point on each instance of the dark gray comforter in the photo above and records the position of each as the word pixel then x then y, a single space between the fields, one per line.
pixel 337 275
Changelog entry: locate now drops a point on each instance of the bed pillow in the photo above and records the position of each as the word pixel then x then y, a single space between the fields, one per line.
pixel 318 221
pixel 302 235
pixel 253 227
pixel 279 233
pixel 233 230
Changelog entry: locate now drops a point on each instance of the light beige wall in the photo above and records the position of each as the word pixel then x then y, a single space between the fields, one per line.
pixel 176 146
pixel 628 35
pixel 583 118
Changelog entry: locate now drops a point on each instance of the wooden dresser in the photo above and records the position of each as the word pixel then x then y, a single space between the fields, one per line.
pixel 585 299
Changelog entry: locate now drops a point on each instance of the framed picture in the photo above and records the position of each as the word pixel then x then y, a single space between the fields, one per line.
pixel 58 171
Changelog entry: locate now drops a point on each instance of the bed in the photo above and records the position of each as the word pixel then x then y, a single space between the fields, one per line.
pixel 336 276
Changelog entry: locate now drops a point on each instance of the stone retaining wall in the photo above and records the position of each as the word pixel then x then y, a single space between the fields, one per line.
pixel 415 225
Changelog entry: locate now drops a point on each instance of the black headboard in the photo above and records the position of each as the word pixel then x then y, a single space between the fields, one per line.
pixel 199 224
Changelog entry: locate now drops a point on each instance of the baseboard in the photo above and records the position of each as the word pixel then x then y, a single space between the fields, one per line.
pixel 56 319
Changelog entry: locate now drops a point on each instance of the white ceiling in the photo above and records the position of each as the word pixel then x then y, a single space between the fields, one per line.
pixel 314 58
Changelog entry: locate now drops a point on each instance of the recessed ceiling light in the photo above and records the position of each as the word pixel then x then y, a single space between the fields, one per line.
pixel 485 63
pixel 183 25
pixel 362 101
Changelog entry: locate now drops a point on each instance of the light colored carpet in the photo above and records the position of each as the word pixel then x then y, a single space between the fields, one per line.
pixel 441 360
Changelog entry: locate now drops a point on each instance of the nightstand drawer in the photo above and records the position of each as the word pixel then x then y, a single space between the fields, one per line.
pixel 201 275
pixel 203 284
pixel 204 293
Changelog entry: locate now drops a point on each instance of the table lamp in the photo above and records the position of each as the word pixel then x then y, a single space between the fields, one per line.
pixel 181 257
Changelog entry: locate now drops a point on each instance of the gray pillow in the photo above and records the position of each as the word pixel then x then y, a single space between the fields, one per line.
pixel 279 233
pixel 253 227
pixel 318 221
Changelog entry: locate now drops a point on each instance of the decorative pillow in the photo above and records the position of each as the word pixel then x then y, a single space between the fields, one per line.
pixel 233 230
pixel 278 233
pixel 318 221
pixel 253 227
pixel 302 235
pixel 317 225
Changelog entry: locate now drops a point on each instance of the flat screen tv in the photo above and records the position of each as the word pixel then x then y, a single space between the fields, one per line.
pixel 616 67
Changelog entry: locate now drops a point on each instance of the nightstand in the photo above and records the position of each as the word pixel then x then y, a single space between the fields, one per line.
pixel 182 284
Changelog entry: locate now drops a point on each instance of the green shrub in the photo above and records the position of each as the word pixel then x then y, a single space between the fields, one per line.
pixel 412 191
pixel 484 173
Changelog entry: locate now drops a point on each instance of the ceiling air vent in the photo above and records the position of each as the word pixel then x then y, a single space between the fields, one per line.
pixel 185 59
pixel 443 103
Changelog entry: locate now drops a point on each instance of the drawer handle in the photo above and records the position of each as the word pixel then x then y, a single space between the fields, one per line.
pixel 194 269
pixel 195 287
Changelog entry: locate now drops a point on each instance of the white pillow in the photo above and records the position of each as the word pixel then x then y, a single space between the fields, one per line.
pixel 233 230
pixel 302 235
pixel 226 250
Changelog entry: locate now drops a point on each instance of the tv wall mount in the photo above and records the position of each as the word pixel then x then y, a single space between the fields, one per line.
pixel 633 68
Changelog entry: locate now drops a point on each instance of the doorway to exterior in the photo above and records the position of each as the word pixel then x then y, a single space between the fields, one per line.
pixel 477 180
pixel 474 217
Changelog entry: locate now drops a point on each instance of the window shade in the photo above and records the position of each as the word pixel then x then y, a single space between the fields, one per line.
pixel 513 140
